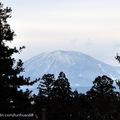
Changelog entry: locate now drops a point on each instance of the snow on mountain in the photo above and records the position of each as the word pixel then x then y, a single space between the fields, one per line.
pixel 79 68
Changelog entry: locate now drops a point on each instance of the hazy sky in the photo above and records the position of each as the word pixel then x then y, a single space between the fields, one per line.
pixel 88 26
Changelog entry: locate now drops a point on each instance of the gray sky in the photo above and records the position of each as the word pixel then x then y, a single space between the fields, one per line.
pixel 88 26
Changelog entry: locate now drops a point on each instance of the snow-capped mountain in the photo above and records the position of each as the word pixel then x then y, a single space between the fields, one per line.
pixel 79 68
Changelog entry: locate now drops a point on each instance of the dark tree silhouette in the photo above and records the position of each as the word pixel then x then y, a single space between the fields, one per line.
pixel 117 57
pixel 103 85
pixel 12 99
pixel 61 88
pixel 101 102
pixel 61 99
pixel 102 99
pixel 54 96
pixel 46 85
pixel 44 95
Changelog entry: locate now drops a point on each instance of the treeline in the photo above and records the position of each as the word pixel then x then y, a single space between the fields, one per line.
pixel 56 98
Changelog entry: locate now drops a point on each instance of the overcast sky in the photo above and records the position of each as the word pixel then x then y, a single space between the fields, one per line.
pixel 88 26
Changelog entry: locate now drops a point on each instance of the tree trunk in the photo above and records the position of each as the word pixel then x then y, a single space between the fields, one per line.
pixel 43 113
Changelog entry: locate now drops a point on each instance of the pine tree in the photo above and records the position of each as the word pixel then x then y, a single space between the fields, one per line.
pixel 103 85
pixel 46 84
pixel 62 89
pixel 102 99
pixel 54 96
pixel 44 95
pixel 12 99
pixel 61 99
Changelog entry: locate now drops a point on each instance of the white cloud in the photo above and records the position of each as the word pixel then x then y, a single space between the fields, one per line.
pixel 90 26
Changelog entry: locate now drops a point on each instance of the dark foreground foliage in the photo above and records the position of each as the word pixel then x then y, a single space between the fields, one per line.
pixel 101 102
pixel 12 99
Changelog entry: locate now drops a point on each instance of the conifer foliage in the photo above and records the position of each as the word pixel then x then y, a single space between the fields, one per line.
pixel 101 102
pixel 54 96
pixel 46 85
pixel 12 99
pixel 61 88
pixel 103 85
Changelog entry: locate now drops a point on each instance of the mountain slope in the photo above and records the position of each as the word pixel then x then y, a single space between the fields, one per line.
pixel 79 68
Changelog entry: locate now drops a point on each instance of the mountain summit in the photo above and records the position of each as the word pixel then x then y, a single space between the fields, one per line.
pixel 79 68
